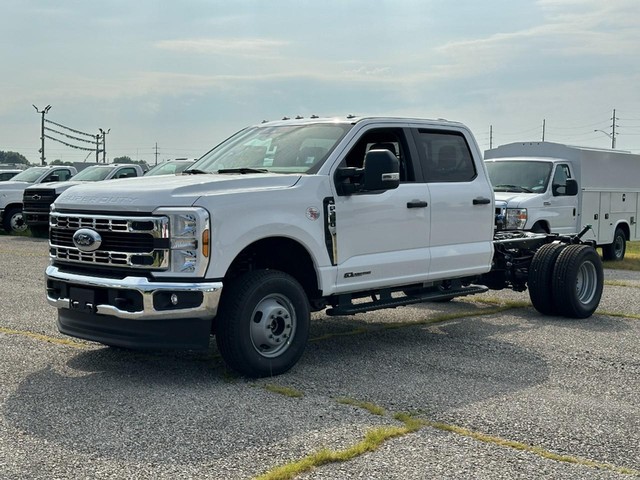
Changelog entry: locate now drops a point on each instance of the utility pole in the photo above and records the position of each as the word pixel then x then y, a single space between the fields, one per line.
pixel 490 136
pixel 97 147
pixel 611 135
pixel 544 124
pixel 44 111
pixel 613 129
pixel 104 145
pixel 156 153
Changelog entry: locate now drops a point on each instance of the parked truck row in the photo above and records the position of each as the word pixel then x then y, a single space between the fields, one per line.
pixel 344 215
pixel 25 201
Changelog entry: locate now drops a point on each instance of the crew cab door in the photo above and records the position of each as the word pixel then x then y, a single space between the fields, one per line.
pixel 461 206
pixel 382 237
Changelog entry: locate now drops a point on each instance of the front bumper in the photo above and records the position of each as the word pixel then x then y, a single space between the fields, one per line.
pixel 203 298
pixel 134 312
pixel 35 218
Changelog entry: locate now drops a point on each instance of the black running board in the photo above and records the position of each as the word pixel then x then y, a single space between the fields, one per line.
pixel 386 301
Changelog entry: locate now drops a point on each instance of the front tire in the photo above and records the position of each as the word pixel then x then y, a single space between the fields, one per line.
pixel 616 250
pixel 13 221
pixel 578 280
pixel 263 323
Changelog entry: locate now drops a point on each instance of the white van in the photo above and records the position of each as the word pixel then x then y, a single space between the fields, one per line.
pixel 556 188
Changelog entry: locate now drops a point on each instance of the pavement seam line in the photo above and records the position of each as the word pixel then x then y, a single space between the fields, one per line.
pixel 376 437
pixel 42 337
pixel 541 452
pixel 621 283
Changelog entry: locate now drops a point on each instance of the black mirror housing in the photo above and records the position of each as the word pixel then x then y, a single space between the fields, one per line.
pixel 572 187
pixel 381 171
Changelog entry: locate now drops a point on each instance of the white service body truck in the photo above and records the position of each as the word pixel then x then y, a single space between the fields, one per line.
pixel 288 217
pixel 551 187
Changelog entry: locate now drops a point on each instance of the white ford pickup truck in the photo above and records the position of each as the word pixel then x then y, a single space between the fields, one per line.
pixel 288 217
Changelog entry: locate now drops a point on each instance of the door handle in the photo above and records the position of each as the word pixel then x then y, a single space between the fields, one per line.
pixel 416 204
pixel 481 201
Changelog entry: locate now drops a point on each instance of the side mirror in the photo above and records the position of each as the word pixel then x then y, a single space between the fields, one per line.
pixel 572 188
pixel 53 178
pixel 381 171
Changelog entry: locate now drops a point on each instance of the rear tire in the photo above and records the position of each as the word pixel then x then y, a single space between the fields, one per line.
pixel 262 325
pixel 578 280
pixel 616 250
pixel 540 278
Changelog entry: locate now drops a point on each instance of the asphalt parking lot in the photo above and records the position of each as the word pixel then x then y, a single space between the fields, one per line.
pixel 481 387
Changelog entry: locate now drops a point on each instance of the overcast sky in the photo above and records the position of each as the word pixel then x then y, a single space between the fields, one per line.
pixel 186 74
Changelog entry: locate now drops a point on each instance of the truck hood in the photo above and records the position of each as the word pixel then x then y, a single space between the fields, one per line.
pixel 145 194
pixel 11 186
pixel 58 187
pixel 513 199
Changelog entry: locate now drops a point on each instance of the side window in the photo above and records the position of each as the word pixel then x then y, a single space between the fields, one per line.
pixel 559 184
pixel 59 175
pixel 127 173
pixel 445 156
pixel 392 139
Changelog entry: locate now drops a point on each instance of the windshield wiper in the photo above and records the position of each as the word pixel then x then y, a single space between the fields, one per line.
pixel 507 188
pixel 194 171
pixel 243 170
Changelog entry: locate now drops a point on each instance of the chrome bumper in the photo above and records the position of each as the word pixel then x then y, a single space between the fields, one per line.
pixel 208 307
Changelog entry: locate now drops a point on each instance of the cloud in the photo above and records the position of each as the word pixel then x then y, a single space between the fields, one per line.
pixel 246 47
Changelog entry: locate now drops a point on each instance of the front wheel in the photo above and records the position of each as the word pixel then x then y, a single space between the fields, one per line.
pixel 13 221
pixel 616 250
pixel 577 281
pixel 263 323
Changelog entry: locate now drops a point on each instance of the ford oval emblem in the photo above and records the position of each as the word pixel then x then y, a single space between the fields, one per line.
pixel 87 240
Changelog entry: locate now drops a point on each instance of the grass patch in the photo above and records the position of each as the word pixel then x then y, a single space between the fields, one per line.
pixel 286 391
pixel 481 437
pixel 373 439
pixel 621 283
pixel 370 407
pixel 631 259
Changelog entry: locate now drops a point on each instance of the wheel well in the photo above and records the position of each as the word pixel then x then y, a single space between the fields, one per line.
pixel 541 226
pixel 12 206
pixel 277 253
pixel 625 228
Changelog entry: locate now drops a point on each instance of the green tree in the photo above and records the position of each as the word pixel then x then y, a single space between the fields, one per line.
pixel 12 157
pixel 124 159
pixel 127 159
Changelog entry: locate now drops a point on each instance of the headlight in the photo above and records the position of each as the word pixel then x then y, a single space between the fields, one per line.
pixel 516 218
pixel 188 240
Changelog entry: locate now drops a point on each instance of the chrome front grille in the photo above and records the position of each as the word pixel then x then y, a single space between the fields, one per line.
pixel 126 242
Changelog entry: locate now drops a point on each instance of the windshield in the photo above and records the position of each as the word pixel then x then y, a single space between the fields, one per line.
pixel 30 175
pixel 93 174
pixel 282 149
pixel 168 168
pixel 519 175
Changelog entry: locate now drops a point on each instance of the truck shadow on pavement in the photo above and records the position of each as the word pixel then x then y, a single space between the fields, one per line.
pixel 166 407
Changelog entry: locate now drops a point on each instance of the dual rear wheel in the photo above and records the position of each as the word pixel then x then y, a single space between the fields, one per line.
pixel 566 280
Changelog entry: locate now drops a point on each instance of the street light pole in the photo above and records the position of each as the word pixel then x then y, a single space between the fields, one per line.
pixel 104 145
pixel 612 137
pixel 44 111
